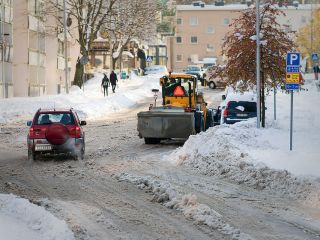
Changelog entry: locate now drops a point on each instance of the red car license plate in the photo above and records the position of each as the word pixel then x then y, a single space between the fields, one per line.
pixel 43 147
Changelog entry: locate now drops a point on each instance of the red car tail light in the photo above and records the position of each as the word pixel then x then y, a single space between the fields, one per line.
pixel 31 132
pixel 75 132
pixel 226 111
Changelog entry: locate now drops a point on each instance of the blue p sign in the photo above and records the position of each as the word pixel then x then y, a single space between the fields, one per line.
pixel 293 59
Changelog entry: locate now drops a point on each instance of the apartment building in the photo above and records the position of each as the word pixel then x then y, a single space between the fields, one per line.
pixel 32 51
pixel 200 31
pixel 6 33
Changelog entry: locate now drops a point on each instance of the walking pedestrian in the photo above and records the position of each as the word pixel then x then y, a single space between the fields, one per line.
pixel 316 71
pixel 105 84
pixel 113 80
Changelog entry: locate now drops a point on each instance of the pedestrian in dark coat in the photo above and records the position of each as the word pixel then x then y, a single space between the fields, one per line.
pixel 105 84
pixel 316 71
pixel 113 80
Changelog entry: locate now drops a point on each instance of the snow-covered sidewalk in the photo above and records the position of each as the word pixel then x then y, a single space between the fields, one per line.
pixel 90 103
pixel 20 219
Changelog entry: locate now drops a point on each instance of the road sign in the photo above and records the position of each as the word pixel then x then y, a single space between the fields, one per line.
pixel 292 86
pixel 293 69
pixel 292 78
pixel 315 57
pixel 149 59
pixel 293 59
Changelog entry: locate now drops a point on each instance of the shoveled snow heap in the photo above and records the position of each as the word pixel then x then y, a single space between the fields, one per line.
pixel 260 157
pixel 187 204
pixel 20 219
pixel 90 103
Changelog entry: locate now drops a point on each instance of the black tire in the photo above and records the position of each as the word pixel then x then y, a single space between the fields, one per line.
pixel 152 140
pixel 199 122
pixel 31 155
pixel 212 85
pixel 209 119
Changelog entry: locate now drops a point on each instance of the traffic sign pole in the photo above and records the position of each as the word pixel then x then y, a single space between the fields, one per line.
pixel 291 120
pixel 292 82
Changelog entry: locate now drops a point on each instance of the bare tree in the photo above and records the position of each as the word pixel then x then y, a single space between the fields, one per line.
pixel 87 18
pixel 130 20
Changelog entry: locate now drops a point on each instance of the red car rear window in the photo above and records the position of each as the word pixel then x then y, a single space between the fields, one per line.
pixel 48 118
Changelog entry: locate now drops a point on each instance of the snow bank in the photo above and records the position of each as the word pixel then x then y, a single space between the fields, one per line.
pixel 187 204
pixel 20 219
pixel 90 103
pixel 260 157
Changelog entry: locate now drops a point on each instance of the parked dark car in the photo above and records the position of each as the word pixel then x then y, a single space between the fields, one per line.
pixel 239 111
pixel 235 108
pixel 56 131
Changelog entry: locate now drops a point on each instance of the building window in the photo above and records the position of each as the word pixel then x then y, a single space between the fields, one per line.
pixel 179 58
pixel 179 21
pixel 226 21
pixel 210 47
pixel 194 39
pixel 193 21
pixel 178 40
pixel 210 29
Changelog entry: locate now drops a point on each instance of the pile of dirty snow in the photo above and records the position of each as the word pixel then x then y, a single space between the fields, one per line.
pixel 261 157
pixel 187 204
pixel 20 219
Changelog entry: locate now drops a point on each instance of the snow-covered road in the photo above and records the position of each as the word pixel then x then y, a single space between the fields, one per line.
pixel 125 189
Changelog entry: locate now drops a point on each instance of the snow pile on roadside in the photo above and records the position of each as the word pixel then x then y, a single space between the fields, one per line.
pixel 260 157
pixel 188 204
pixel 20 219
pixel 90 103
pixel 224 151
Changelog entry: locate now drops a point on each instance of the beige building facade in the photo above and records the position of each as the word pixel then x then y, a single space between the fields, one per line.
pixel 200 31
pixel 6 47
pixel 33 51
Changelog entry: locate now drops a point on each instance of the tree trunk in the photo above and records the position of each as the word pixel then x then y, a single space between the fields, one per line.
pixel 78 74
pixel 263 109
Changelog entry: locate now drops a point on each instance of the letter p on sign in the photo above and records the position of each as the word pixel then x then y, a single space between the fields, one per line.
pixel 293 59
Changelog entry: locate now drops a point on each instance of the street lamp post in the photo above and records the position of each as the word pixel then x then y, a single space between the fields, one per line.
pixel 258 60
pixel 2 51
pixel 65 46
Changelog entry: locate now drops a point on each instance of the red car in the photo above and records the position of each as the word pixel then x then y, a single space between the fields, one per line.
pixel 56 131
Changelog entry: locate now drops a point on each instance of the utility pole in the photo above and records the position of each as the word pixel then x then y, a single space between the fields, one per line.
pixel 258 60
pixel 2 52
pixel 311 27
pixel 65 46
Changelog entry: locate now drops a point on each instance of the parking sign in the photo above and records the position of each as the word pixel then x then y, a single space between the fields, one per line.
pixel 293 59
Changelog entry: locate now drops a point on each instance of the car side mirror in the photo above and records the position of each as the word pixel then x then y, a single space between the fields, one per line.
pixel 29 123
pixel 82 123
pixel 223 97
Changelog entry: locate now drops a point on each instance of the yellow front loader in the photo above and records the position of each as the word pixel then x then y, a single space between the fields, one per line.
pixel 183 112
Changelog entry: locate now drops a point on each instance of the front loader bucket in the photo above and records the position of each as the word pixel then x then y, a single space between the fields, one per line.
pixel 166 124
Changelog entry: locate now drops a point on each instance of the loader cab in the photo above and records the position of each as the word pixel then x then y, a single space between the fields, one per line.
pixel 178 90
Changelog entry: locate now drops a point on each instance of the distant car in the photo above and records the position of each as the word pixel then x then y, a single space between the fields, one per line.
pixel 213 83
pixel 197 71
pixel 56 131
pixel 236 107
pixel 156 69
